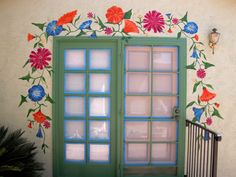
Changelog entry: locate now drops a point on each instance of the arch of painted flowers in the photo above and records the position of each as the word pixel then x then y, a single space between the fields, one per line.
pixel 118 23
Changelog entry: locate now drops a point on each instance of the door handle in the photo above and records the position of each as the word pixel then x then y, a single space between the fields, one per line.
pixel 175 113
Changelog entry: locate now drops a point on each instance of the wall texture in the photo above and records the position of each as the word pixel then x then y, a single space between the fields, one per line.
pixel 16 17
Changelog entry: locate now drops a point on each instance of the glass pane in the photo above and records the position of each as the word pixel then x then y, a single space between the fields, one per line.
pixel 136 153
pixel 99 152
pixel 138 106
pixel 74 129
pixel 165 58
pixel 99 130
pixel 99 106
pixel 137 83
pixel 138 58
pixel 100 59
pixel 75 59
pixel 164 83
pixel 164 131
pixel 74 82
pixel 99 83
pixel 164 153
pixel 74 106
pixel 136 130
pixel 75 152
pixel 163 106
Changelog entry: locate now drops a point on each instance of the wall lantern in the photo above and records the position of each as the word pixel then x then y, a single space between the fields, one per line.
pixel 213 39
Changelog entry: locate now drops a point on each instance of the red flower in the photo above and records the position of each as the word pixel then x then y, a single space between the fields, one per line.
pixel 130 27
pixel 66 18
pixel 201 73
pixel 196 37
pixel 170 31
pixel 30 37
pixel 154 20
pixel 217 105
pixel 39 117
pixel 29 125
pixel 175 21
pixel 114 14
pixel 108 31
pixel 40 58
pixel 90 15
pixel 209 121
pixel 46 124
pixel 206 95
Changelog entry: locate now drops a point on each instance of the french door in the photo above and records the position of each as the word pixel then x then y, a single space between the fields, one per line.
pixel 119 107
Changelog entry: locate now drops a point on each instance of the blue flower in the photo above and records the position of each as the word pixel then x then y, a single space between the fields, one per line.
pixel 39 133
pixel 191 28
pixel 206 136
pixel 93 35
pixel 198 113
pixel 195 54
pixel 168 15
pixel 86 25
pixel 52 28
pixel 36 93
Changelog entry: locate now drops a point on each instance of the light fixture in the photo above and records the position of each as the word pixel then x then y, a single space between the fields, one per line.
pixel 213 39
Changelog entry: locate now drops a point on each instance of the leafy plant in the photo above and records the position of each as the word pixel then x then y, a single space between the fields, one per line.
pixel 17 155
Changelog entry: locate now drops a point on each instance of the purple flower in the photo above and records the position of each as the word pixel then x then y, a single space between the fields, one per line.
pixel 36 93
pixel 191 28
pixel 39 133
pixel 198 113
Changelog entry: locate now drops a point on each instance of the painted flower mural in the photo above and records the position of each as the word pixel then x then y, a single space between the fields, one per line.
pixel 117 23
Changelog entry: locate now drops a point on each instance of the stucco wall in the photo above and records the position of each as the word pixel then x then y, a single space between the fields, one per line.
pixel 16 17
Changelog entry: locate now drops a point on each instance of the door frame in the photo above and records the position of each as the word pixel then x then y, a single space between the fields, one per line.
pixel 121 44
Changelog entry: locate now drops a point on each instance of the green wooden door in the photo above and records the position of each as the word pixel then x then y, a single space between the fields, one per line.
pixel 114 102
pixel 85 131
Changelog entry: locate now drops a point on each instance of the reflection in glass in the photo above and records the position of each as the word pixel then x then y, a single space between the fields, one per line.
pixel 162 152
pixel 164 131
pixel 99 106
pixel 137 82
pixel 74 129
pixel 99 130
pixel 165 83
pixel 75 152
pixel 74 106
pixel 136 130
pixel 74 82
pixel 100 59
pixel 75 59
pixel 99 83
pixel 99 152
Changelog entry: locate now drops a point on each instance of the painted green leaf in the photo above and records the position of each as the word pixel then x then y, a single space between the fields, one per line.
pixel 101 24
pixel 207 65
pixel 185 17
pixel 23 100
pixel 198 99
pixel 49 99
pixel 48 118
pixel 29 111
pixel 27 77
pixel 191 66
pixel 190 104
pixel 46 36
pixel 194 120
pixel 128 14
pixel 26 63
pixel 195 86
pixel 33 70
pixel 216 113
pixel 39 25
pixel 35 45
pixel 41 45
pixel 80 33
pixel 209 86
pixel 77 19
pixel 179 35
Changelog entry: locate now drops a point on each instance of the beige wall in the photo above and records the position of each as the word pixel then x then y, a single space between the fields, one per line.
pixel 16 17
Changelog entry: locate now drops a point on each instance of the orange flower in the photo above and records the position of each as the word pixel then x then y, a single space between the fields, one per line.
pixel 66 18
pixel 30 37
pixel 206 95
pixel 114 14
pixel 196 37
pixel 130 27
pixel 29 125
pixel 39 117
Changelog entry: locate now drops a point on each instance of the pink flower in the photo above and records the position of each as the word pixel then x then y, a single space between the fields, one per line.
pixel 201 73
pixel 46 124
pixel 154 20
pixel 209 121
pixel 108 31
pixel 217 105
pixel 90 15
pixel 175 21
pixel 40 58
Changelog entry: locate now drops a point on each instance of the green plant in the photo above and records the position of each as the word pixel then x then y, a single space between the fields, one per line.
pixel 17 155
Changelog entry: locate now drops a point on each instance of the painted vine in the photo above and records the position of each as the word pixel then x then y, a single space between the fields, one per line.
pixel 118 23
